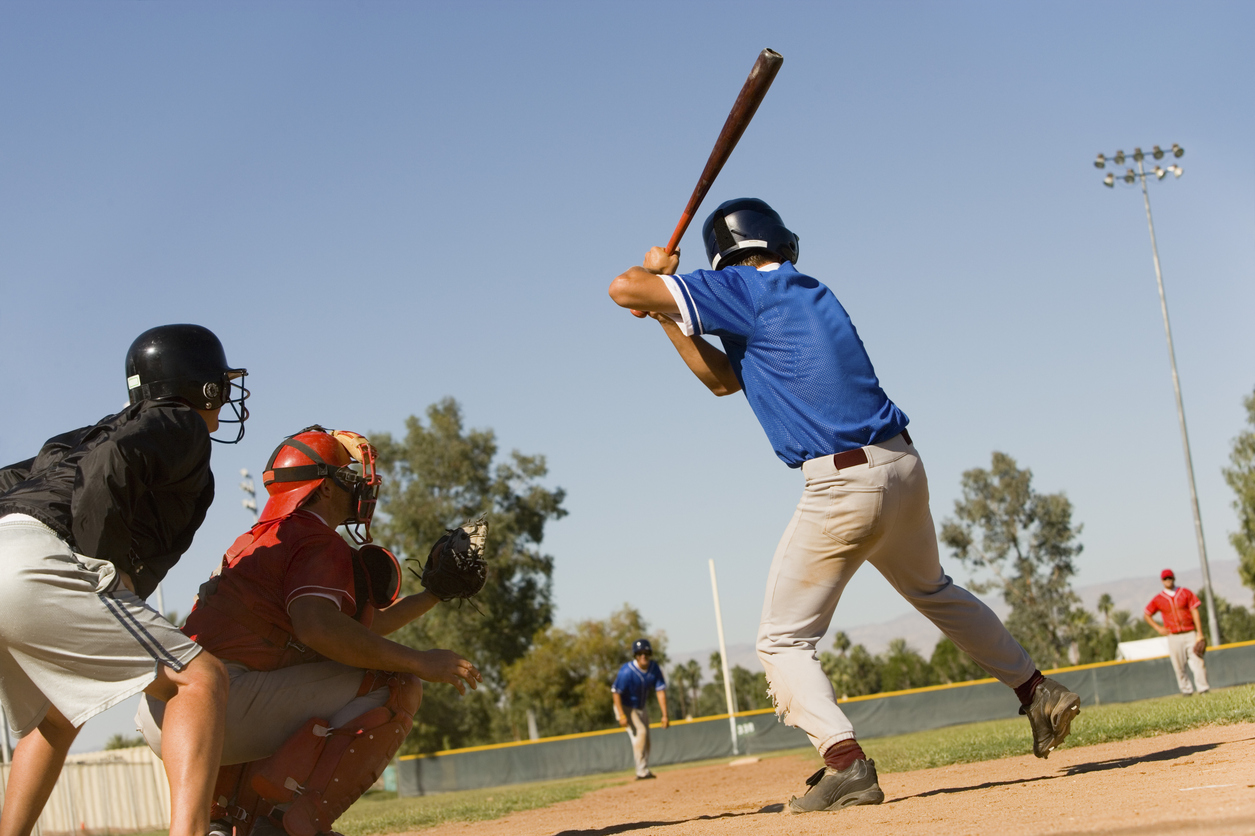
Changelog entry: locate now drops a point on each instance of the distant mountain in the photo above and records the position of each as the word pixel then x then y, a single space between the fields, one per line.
pixel 1130 594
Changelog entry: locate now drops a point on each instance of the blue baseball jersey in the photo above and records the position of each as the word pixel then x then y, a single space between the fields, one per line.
pixel 797 356
pixel 634 685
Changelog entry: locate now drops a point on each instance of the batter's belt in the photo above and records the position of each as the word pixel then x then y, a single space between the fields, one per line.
pixel 857 456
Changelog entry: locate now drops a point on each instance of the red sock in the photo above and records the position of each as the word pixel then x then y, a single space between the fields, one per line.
pixel 1025 692
pixel 843 753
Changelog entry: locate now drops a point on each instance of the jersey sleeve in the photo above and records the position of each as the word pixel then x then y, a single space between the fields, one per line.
pixel 620 681
pixel 162 447
pixel 323 567
pixel 661 684
pixel 1153 607
pixel 1192 601
pixel 716 302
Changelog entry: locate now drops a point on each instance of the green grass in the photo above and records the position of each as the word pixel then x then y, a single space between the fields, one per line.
pixel 1096 724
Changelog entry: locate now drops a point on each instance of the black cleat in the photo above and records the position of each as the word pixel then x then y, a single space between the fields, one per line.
pixel 1050 715
pixel 832 790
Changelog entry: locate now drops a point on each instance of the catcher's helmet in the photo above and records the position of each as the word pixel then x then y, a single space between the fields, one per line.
pixel 746 223
pixel 186 363
pixel 300 464
pixel 642 646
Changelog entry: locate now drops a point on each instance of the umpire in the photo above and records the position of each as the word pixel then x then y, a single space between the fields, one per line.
pixel 636 681
pixel 88 527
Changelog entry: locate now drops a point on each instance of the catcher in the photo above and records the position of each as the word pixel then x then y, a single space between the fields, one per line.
pixel 319 701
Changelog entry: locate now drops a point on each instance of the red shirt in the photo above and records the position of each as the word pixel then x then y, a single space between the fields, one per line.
pixel 1177 609
pixel 289 558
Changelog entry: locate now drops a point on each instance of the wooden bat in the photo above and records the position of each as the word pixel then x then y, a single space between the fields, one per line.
pixel 743 110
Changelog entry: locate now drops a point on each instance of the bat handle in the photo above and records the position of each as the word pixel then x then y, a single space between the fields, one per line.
pixel 674 243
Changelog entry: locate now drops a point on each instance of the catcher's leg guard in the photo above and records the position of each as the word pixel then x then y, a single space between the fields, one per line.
pixel 344 763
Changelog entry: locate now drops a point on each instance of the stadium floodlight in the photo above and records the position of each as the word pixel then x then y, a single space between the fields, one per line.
pixel 1101 162
pixel 1131 176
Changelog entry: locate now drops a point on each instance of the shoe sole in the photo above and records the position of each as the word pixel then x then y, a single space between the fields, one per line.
pixel 1064 722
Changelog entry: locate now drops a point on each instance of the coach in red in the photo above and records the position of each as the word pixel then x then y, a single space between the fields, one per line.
pixel 1184 629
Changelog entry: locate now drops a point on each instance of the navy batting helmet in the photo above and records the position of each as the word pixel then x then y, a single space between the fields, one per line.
pixel 187 363
pixel 746 223
pixel 642 646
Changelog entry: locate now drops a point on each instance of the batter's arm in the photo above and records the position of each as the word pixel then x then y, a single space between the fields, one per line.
pixel 662 706
pixel 711 365
pixel 640 289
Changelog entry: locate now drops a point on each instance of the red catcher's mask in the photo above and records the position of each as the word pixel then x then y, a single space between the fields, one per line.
pixel 301 463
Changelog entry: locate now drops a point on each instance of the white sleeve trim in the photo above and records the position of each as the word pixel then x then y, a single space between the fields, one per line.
pixel 682 301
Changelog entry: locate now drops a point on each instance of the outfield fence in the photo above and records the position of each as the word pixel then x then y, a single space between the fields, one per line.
pixel 877 715
pixel 118 791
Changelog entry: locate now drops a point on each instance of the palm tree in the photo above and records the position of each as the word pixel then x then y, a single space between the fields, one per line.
pixel 1105 606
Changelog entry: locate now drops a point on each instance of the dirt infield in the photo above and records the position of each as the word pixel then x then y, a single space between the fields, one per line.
pixel 1200 781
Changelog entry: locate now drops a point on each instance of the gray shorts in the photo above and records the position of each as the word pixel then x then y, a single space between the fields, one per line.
pixel 265 708
pixel 71 635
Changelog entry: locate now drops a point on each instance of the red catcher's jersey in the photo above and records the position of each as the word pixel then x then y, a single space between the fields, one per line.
pixel 289 558
pixel 1177 609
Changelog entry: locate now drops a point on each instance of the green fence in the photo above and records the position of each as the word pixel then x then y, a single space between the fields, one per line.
pixel 759 731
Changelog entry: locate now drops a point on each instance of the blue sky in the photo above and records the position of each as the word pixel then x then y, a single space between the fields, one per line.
pixel 378 205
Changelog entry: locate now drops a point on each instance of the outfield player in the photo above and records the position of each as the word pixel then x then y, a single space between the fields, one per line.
pixel 1184 628
pixel 88 528
pixel 636 681
pixel 318 696
pixel 790 345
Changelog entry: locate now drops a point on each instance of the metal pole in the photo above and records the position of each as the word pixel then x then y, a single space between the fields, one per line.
pixel 723 658
pixel 1212 622
pixel 7 749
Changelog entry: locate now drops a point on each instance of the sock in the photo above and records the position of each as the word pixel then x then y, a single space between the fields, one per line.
pixel 1025 692
pixel 843 753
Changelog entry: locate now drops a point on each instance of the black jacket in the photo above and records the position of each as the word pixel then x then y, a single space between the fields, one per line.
pixel 132 489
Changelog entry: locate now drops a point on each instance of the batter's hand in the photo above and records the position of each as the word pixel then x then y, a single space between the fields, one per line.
pixel 658 261
pixel 623 721
pixel 666 723
pixel 447 666
pixel 1163 631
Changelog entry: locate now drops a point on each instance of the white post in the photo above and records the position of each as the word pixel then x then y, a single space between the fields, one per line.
pixel 161 602
pixel 7 749
pixel 723 656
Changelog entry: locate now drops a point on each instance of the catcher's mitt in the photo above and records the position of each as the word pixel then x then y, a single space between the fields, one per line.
pixel 456 567
pixel 1200 647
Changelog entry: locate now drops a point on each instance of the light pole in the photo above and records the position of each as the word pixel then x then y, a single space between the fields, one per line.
pixel 1130 176
pixel 250 490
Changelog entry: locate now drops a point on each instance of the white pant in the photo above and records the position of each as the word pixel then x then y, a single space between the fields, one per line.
pixel 1181 652
pixel 638 731
pixel 878 513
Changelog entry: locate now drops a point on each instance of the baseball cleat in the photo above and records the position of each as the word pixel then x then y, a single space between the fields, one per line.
pixel 832 790
pixel 1050 715
pixel 220 827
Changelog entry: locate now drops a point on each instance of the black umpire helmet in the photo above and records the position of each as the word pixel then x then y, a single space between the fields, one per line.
pixel 187 363
pixel 642 646
pixel 744 224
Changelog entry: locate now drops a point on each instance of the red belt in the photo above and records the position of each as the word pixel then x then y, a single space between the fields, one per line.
pixel 858 455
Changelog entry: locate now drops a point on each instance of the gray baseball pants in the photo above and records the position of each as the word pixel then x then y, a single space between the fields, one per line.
pixel 638 731
pixel 870 513
pixel 1181 652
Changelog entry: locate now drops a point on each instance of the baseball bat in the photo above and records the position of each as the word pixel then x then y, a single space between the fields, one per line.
pixel 743 109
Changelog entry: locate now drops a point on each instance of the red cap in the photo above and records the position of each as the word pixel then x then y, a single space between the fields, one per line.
pixel 1165 574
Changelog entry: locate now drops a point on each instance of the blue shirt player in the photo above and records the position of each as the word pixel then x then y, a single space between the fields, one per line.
pixel 789 344
pixel 636 681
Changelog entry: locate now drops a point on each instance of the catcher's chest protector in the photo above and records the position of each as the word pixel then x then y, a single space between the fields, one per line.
pixel 320 771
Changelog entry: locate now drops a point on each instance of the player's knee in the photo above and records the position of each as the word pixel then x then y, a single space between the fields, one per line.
pixel 207 674
pixel 409 693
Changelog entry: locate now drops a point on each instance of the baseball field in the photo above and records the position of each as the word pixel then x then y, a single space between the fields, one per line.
pixel 1171 765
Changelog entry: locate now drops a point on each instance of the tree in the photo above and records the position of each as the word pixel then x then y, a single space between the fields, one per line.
pixel 902 668
pixel 1105 606
pixel 853 673
pixel 566 676
pixel 686 683
pixel 1237 623
pixel 1241 477
pixel 436 477
pixel 121 741
pixel 950 664
pixel 1027 542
